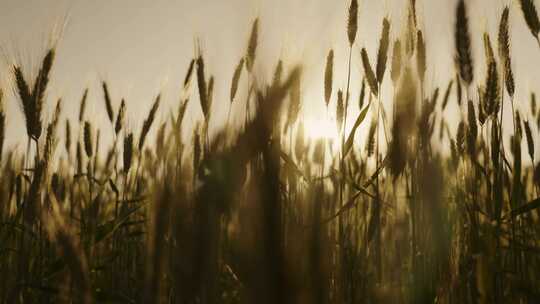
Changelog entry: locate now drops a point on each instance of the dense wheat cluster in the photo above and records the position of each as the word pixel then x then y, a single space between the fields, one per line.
pixel 421 211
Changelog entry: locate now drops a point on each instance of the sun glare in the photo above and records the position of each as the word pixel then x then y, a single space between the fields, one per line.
pixel 320 128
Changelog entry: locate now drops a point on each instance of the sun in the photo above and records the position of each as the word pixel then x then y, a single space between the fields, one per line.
pixel 321 128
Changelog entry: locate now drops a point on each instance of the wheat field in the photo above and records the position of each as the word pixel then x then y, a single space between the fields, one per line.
pixel 431 205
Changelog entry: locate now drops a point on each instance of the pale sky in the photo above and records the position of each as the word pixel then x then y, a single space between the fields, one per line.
pixel 142 47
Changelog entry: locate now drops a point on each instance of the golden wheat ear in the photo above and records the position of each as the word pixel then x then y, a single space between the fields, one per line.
pixel 352 23
pixel 396 62
pixel 88 146
pixel 328 77
pixel 82 106
pixel 382 55
pixel 369 74
pixel 531 17
pixel 236 78
pixel 108 102
pixel 128 152
pixel 120 117
pixel 148 122
pixel 463 44
pixel 252 45
pixel 189 72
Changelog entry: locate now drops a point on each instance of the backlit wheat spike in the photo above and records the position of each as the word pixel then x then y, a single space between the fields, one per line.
pixel 533 104
pixel 201 84
pixel 79 157
pixel 42 80
pixel 299 146
pixel 210 96
pixel 509 80
pixel 88 147
pixel 295 99
pixel 412 12
pixel 370 143
pixel 530 141
pixel 340 111
pixel 396 62
pixel 531 17
pixel 519 129
pixel 38 93
pixel 463 44
pixel 504 36
pixel 362 95
pixel 504 52
pixel 189 72
pixel 473 128
pixel 120 117
pixel 108 102
pixel 68 137
pixel 128 152
pixel 236 78
pixel 482 116
pixel 491 91
pixel 352 24
pixel 252 45
pixel 368 72
pixel 420 56
pixel 410 31
pixel 50 139
pixel 382 55
pixel 278 71
pixel 27 102
pixel 490 56
pixel 160 137
pixel 82 107
pixel 460 137
pixel 148 122
pixel 447 94
pixel 328 77
pixel 459 90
